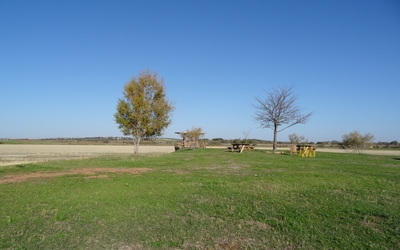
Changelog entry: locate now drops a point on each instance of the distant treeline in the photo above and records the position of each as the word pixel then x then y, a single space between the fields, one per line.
pixel 169 141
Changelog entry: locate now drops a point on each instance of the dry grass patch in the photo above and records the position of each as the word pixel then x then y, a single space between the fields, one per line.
pixel 176 171
pixel 372 222
pixel 94 172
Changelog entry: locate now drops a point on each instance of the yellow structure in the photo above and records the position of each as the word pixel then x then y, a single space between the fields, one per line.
pixel 306 151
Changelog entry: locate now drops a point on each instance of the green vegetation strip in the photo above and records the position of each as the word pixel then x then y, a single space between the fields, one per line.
pixel 205 199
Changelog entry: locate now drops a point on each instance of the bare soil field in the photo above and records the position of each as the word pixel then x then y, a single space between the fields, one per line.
pixel 17 154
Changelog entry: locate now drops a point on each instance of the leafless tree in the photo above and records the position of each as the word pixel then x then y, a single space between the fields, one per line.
pixel 279 109
pixel 297 139
pixel 246 134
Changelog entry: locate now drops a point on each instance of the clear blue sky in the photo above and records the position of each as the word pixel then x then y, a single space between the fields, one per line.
pixel 63 64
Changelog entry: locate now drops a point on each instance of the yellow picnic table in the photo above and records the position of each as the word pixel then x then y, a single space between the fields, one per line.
pixel 305 151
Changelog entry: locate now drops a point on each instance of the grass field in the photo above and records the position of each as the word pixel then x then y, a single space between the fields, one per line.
pixel 203 199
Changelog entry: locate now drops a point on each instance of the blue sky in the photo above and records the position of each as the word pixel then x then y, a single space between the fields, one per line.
pixel 63 64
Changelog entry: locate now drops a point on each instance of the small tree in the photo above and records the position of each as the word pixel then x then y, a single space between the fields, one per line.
pixel 278 109
pixel 297 139
pixel 246 135
pixel 144 111
pixel 356 141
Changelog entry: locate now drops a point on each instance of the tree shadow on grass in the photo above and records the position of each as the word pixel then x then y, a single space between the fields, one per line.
pixel 397 158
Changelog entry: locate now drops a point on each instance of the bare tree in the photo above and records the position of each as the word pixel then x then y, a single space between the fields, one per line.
pixel 144 111
pixel 297 139
pixel 279 109
pixel 246 135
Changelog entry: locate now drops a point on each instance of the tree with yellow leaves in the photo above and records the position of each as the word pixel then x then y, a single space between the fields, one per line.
pixel 144 111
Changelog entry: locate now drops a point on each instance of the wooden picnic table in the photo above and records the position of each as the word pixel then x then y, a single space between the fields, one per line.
pixel 240 147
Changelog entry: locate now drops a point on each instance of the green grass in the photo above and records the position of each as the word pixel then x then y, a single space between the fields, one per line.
pixel 207 199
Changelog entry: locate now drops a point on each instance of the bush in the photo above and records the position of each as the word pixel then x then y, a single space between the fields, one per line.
pixel 356 141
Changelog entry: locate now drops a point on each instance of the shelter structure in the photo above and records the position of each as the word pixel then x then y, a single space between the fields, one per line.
pixel 189 142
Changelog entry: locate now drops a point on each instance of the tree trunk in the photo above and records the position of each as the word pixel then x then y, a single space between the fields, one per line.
pixel 136 142
pixel 275 136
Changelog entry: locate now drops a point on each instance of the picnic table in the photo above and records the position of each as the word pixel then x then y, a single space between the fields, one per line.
pixel 240 147
pixel 305 151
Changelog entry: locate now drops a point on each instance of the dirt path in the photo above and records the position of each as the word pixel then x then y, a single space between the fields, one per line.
pixel 368 151
pixel 338 150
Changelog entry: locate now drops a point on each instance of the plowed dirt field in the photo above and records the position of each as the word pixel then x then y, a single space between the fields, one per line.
pixel 20 153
